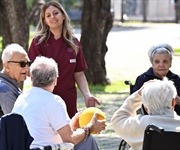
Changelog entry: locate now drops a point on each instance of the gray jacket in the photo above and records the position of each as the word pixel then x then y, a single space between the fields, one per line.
pixel 9 92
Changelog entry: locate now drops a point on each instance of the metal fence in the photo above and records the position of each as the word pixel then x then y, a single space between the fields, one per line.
pixel 143 10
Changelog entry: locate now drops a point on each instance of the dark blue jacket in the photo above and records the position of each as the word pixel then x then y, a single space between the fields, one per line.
pixel 149 75
pixel 14 134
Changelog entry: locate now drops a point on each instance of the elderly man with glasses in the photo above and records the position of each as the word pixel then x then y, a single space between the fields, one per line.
pixel 15 69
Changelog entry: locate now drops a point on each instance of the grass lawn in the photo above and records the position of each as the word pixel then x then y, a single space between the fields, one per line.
pixel 177 51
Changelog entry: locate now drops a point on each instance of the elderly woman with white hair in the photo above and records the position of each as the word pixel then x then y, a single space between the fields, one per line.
pixel 158 98
pixel 160 57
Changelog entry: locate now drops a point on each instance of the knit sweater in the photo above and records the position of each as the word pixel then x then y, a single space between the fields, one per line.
pixel 130 126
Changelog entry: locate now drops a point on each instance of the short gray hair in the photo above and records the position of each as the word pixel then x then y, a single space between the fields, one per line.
pixel 157 96
pixel 44 71
pixel 160 49
pixel 10 50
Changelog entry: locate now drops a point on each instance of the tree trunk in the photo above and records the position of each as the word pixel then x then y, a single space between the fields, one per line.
pixel 96 23
pixel 144 8
pixel 15 27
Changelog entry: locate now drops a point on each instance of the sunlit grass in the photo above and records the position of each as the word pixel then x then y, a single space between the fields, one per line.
pixel 115 87
pixel 31 34
pixel 132 22
pixel 177 51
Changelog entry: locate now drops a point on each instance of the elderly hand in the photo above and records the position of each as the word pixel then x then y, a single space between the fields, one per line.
pixel 96 125
pixel 144 85
pixel 75 121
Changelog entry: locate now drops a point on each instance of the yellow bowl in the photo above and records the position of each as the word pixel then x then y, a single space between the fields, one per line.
pixel 87 115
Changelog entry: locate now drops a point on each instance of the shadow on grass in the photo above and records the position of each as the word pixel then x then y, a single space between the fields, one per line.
pixel 110 102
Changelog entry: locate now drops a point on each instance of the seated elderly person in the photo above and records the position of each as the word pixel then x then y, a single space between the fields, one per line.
pixel 158 98
pixel 160 57
pixel 15 69
pixel 46 115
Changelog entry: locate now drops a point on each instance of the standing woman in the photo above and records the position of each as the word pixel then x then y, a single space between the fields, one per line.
pixel 54 38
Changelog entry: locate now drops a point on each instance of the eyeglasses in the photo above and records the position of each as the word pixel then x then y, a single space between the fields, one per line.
pixel 21 63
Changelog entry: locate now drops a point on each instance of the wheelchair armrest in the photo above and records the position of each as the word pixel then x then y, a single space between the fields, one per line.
pixel 61 146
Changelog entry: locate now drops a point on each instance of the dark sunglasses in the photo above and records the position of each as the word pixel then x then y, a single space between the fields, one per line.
pixel 21 63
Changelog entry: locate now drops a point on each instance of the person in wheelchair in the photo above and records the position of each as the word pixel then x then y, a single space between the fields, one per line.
pixel 158 98
pixel 46 114
pixel 160 57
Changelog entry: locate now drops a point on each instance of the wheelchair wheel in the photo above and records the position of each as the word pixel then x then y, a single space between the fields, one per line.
pixel 124 145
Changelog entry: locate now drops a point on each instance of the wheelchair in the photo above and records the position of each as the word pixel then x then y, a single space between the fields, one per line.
pixel 157 138
pixel 123 144
pixel 14 134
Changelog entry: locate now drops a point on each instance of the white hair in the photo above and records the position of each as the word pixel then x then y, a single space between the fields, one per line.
pixel 44 71
pixel 160 49
pixel 10 50
pixel 157 96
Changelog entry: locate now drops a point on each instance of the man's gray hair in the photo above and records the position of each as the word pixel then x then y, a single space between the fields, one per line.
pixel 10 50
pixel 160 49
pixel 44 71
pixel 157 96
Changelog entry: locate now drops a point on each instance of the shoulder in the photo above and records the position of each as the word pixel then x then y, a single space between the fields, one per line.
pixel 172 75
pixel 76 41
pixel 142 76
pixel 36 38
pixel 148 74
pixel 4 85
pixel 49 97
pixel 58 99
pixel 149 71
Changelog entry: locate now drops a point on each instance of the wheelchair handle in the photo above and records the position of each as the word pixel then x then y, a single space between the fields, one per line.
pixel 128 82
pixel 154 127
